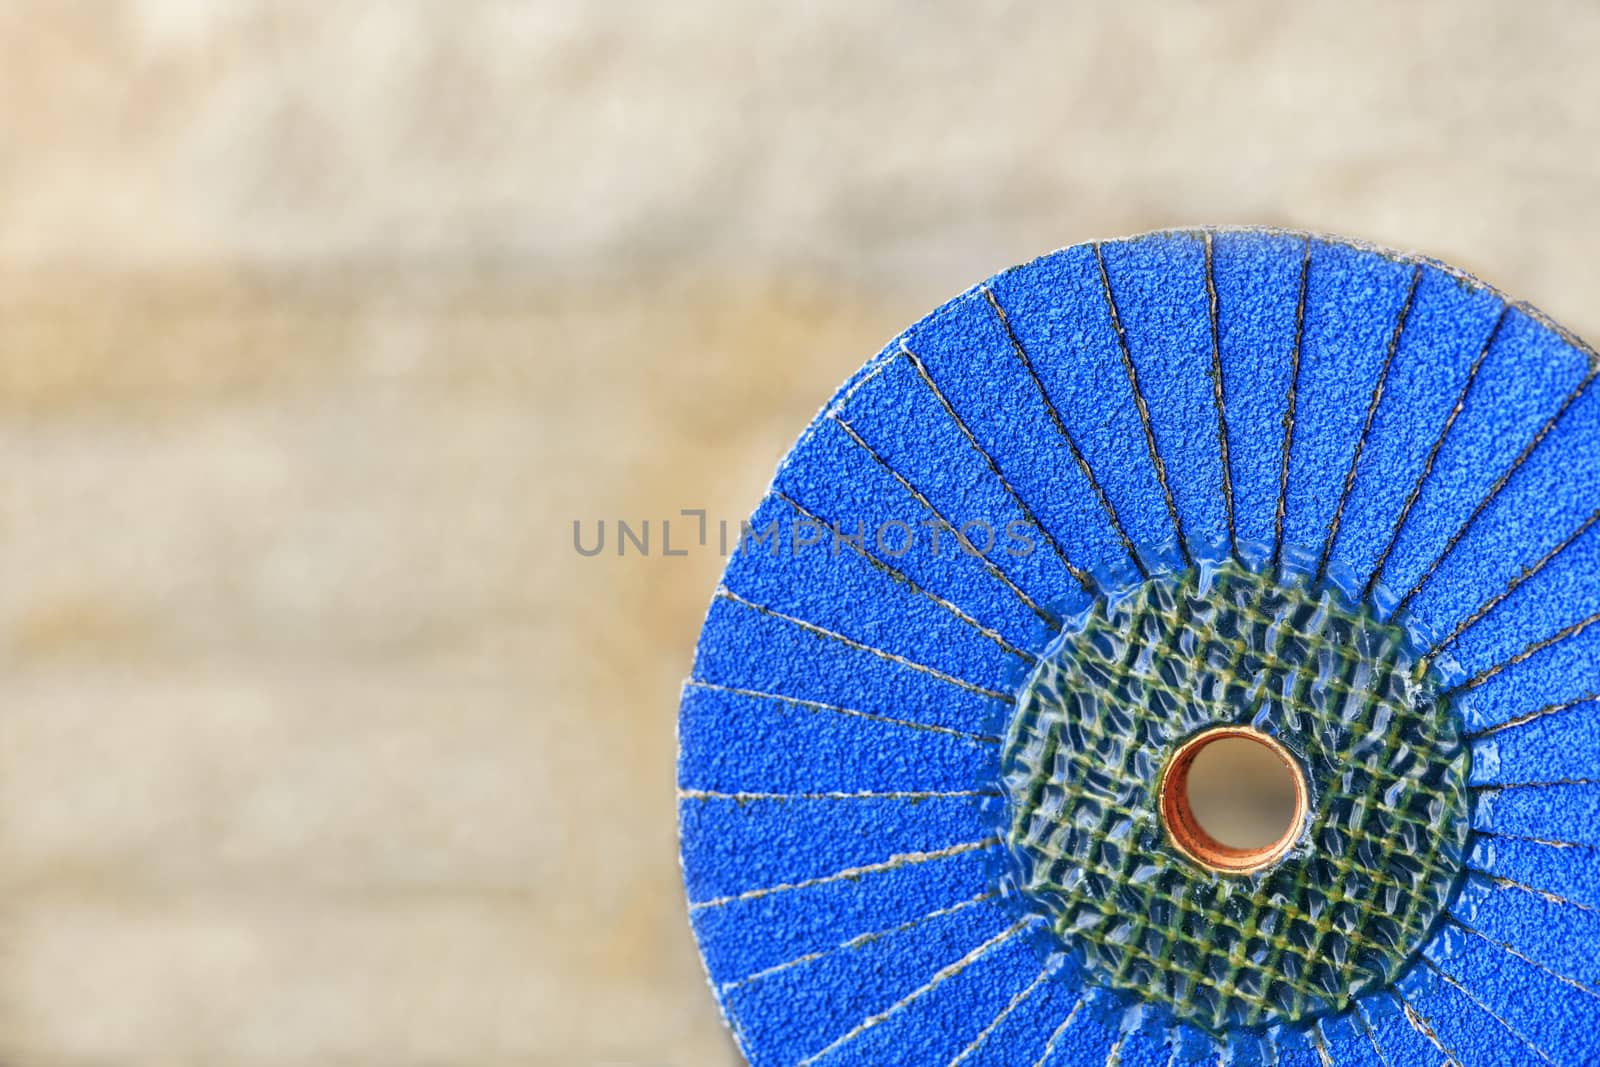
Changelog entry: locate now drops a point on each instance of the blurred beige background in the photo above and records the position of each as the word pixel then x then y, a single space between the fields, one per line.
pixel 320 323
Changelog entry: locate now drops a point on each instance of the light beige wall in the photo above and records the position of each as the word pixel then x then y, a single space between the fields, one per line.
pixel 321 322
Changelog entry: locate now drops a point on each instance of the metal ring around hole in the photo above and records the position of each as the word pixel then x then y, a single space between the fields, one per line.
pixel 1185 831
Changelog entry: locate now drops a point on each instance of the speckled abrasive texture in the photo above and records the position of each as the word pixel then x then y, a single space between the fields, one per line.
pixel 1304 409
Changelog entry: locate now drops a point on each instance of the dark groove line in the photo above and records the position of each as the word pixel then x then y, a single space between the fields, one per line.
pixel 1400 325
pixel 1513 951
pixel 1548 842
pixel 911 584
pixel 1532 716
pixel 1139 403
pixel 914 795
pixel 1049 619
pixel 1217 392
pixel 817 705
pixel 1289 412
pixel 1017 1000
pixel 854 942
pixel 1424 1026
pixel 1532 650
pixel 1490 1012
pixel 1511 587
pixel 1494 490
pixel 850 642
pixel 1061 428
pixel 1114 1057
pixel 1055 1036
pixel 1080 575
pixel 939 977
pixel 1433 455
pixel 1320 1042
pixel 1502 882
pixel 1491 787
pixel 1372 1039
pixel 893 863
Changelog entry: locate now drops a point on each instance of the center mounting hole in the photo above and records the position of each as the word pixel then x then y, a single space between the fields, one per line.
pixel 1233 799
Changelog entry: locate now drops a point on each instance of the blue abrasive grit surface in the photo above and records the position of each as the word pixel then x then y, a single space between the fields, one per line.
pixel 1553 747
pixel 1545 811
pixel 1016 1039
pixel 863 601
pixel 1447 332
pixel 974 363
pixel 1461 1025
pixel 1158 286
pixel 1560 483
pixel 1258 281
pixel 926 1025
pixel 758 651
pixel 1540 678
pixel 904 423
pixel 1559 595
pixel 1528 1000
pixel 1057 308
pixel 826 915
pixel 1132 406
pixel 1398 1038
pixel 797 1013
pixel 741 844
pixel 1530 371
pixel 838 480
pixel 737 743
pixel 1549 932
pixel 1342 359
pixel 1571 875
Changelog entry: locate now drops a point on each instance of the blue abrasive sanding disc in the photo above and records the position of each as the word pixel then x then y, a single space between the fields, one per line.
pixel 1072 525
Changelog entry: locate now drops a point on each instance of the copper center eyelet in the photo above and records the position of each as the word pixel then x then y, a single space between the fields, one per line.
pixel 1184 829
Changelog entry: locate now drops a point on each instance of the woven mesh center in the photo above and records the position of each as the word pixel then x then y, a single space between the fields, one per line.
pixel 1138 673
